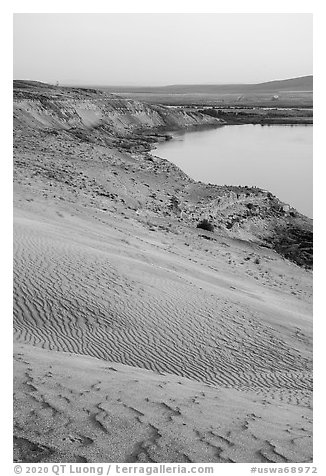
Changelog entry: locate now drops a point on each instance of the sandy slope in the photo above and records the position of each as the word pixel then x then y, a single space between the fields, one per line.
pixel 77 290
pixel 103 286
pixel 81 409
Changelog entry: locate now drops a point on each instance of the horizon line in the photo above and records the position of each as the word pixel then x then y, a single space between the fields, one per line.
pixel 90 84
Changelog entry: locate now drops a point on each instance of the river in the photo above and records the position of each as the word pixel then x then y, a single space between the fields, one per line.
pixel 275 158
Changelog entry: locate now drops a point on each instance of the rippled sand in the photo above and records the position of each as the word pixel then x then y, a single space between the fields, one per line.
pixel 87 410
pixel 226 344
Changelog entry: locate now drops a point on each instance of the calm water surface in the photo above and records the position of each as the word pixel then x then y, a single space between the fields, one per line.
pixel 275 158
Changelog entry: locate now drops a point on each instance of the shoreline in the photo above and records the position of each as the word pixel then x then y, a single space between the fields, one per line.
pixel 260 115
pixel 130 137
pixel 182 132
pixel 167 134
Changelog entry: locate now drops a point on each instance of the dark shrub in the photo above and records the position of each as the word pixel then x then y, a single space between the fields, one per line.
pixel 206 225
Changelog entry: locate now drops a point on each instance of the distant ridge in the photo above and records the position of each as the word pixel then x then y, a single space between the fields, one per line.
pixel 303 83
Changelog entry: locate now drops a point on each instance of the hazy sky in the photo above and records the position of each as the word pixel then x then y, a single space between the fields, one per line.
pixel 158 49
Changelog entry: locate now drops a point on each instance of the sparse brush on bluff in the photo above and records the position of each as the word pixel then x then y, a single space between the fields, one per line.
pixel 206 225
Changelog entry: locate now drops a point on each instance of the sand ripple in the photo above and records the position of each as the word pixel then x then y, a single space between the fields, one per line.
pixel 74 296
pixel 70 408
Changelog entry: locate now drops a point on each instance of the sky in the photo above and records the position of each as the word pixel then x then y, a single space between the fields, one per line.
pixel 161 49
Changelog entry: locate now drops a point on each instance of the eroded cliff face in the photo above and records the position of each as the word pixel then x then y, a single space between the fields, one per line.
pixel 92 148
pixel 85 109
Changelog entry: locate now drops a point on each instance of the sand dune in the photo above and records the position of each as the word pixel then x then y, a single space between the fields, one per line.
pixel 82 296
pixel 114 293
pixel 80 409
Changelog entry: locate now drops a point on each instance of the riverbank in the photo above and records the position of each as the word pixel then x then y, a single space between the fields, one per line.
pixel 68 119
pixel 263 116
pixel 277 158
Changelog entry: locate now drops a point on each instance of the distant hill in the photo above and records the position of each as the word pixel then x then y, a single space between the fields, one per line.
pixel 304 83
pixel 295 92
